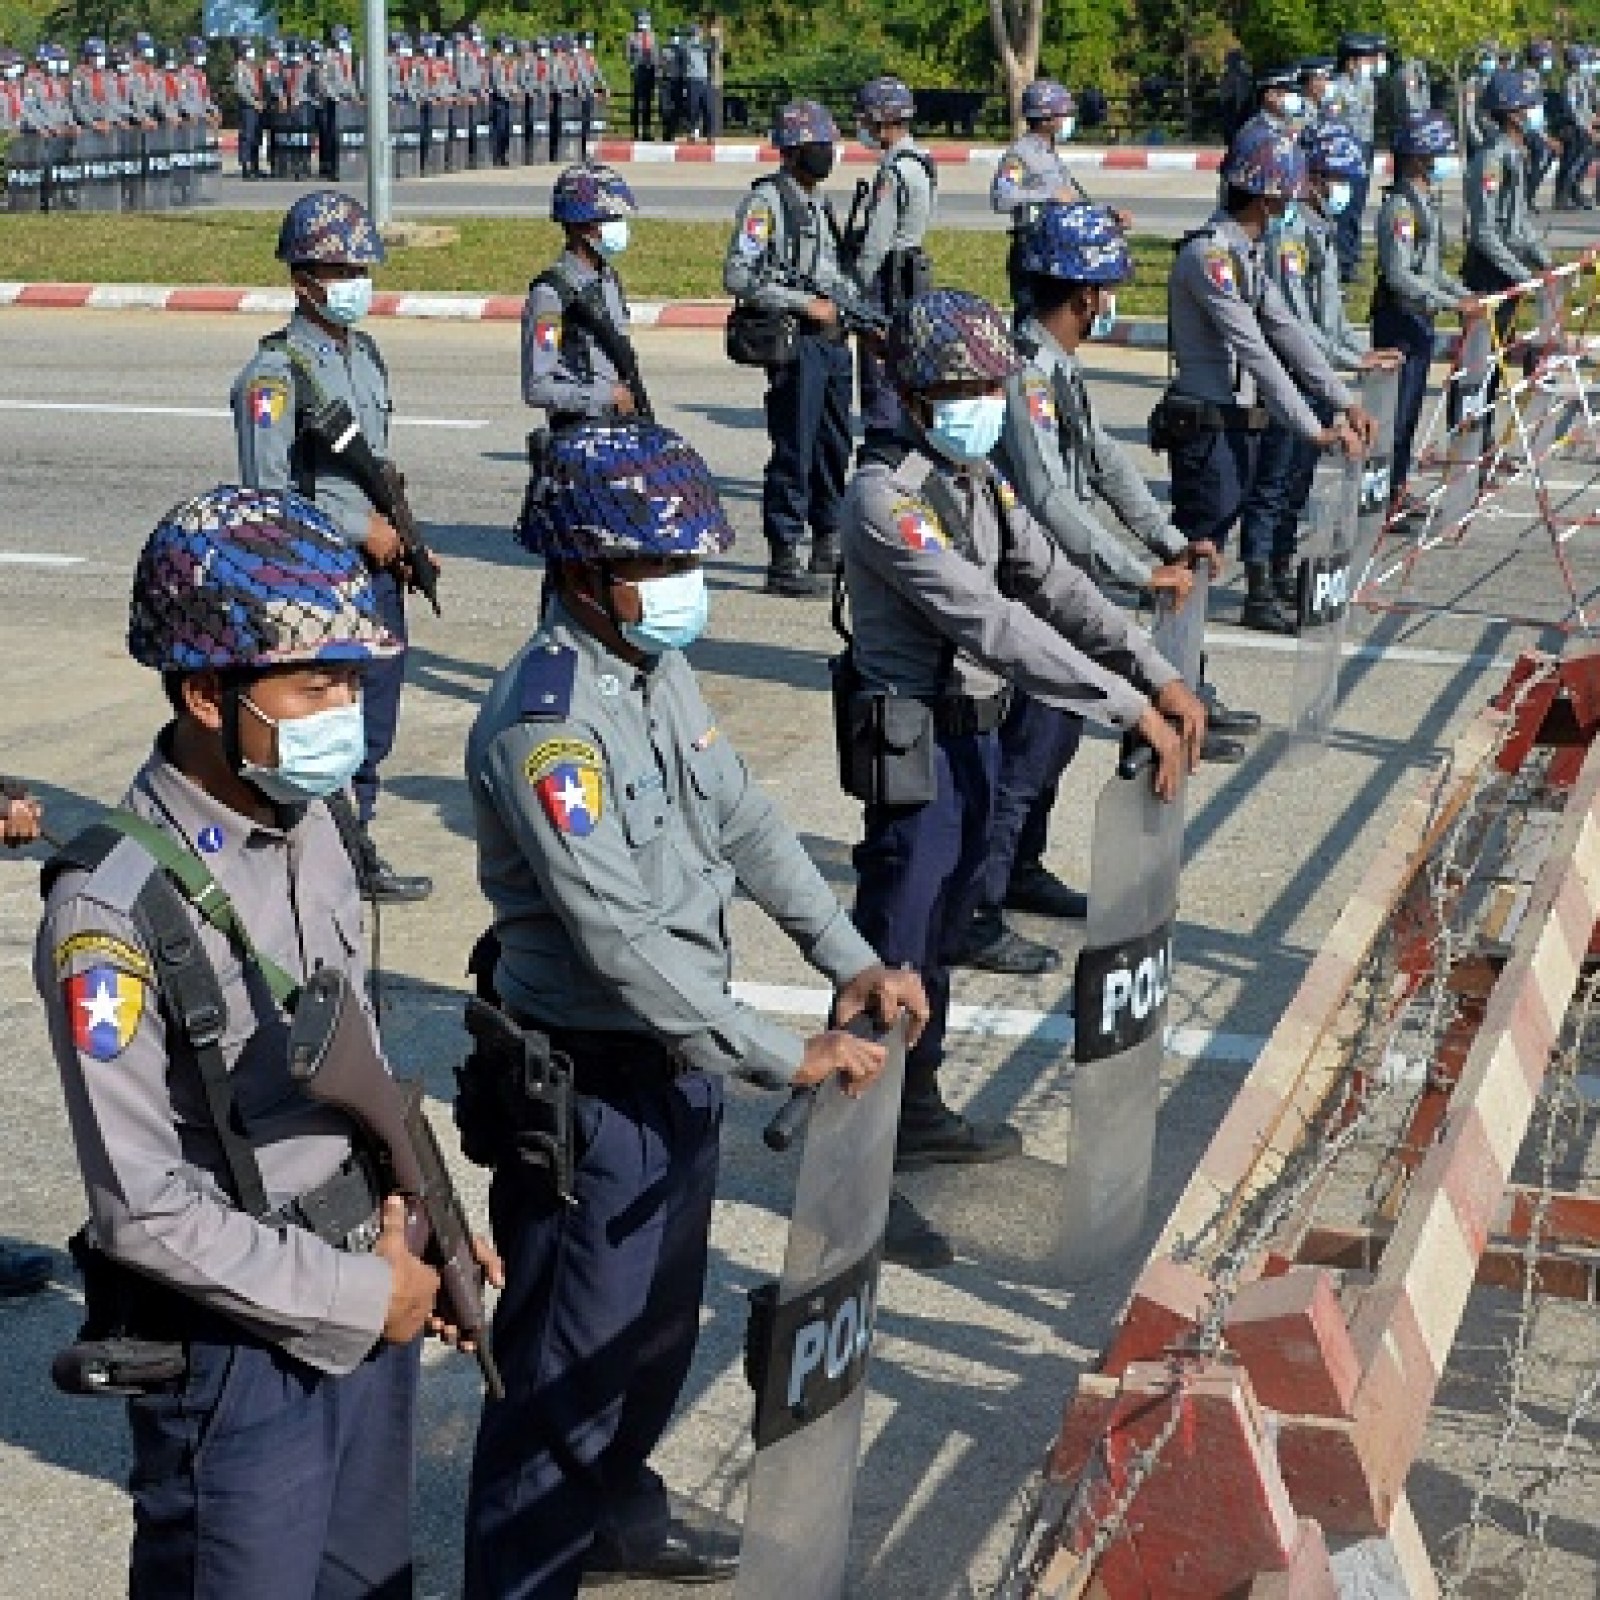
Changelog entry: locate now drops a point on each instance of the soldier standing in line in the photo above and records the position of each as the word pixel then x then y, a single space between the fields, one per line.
pixel 644 59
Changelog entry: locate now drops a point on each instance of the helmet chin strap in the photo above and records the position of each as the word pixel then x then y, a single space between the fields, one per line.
pixel 232 750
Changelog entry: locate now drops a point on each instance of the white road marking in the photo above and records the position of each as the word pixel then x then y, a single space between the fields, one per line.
pixel 29 558
pixel 106 408
pixel 1406 655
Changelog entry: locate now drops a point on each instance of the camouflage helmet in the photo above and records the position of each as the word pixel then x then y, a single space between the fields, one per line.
pixel 1511 89
pixel 248 579
pixel 803 122
pixel 949 336
pixel 590 191
pixel 617 489
pixel 1425 133
pixel 1264 160
pixel 1044 97
pixel 1078 243
pixel 328 228
pixel 885 99
pixel 1333 151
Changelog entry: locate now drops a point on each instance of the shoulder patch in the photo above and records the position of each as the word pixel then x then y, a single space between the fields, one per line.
pixel 1012 167
pixel 266 401
pixel 1491 180
pixel 1219 269
pixel 544 687
pixel 104 1006
pixel 571 795
pixel 1007 495
pixel 755 231
pixel 546 757
pixel 917 527
pixel 1405 223
pixel 1292 260
pixel 547 332
pixel 107 948
pixel 1041 402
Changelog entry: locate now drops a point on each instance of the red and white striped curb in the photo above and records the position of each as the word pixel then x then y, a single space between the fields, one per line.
pixel 1127 158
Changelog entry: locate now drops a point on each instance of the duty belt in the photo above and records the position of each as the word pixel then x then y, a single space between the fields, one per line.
pixel 1207 415
pixel 343 1210
pixel 605 1060
pixel 957 714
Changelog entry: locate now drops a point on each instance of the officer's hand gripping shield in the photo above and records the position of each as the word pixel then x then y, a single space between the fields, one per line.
pixel 810 1343
pixel 1120 988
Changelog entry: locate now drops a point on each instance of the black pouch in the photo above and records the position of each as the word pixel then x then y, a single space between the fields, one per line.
pixel 133 1333
pixel 885 741
pixel 761 336
pixel 1176 420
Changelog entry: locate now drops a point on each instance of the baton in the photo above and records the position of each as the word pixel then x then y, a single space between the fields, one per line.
pixel 790 1120
pixel 1137 756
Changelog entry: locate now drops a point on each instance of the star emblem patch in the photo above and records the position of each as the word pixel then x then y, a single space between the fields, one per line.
pixel 104 1006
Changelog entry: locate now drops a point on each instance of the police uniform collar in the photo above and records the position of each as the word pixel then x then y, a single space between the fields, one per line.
pixel 1046 342
pixel 1227 228
pixel 213 830
pixel 594 658
pixel 312 333
pixel 578 269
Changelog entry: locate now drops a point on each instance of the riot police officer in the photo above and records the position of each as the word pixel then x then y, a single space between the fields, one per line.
pixel 885 249
pixel 613 819
pixel 644 60
pixel 579 363
pixel 1241 355
pixel 940 631
pixel 1280 100
pixel 231 1216
pixel 1362 61
pixel 330 247
pixel 250 90
pixel 784 257
pixel 1570 112
pixel 1059 460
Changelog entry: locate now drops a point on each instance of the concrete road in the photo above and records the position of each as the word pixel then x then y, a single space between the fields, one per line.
pixel 107 421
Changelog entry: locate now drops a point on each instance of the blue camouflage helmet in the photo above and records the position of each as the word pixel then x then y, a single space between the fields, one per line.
pixel 949 336
pixel 1044 97
pixel 248 579
pixel 1284 77
pixel 1512 90
pixel 625 488
pixel 329 229
pixel 1425 133
pixel 1333 151
pixel 1076 242
pixel 590 191
pixel 804 122
pixel 885 99
pixel 1263 160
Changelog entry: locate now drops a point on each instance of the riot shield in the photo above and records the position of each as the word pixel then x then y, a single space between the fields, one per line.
pixel 1120 987
pixel 480 144
pixel 102 185
pixel 25 173
pixel 570 132
pixel 811 1346
pixel 437 158
pixel 130 168
pixel 1380 395
pixel 350 134
pixel 63 176
pixel 405 132
pixel 1337 493
pixel 458 153
pixel 536 125
pixel 155 154
pixel 185 145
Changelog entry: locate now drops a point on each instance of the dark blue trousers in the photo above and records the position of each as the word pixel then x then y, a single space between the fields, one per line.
pixel 1266 521
pixel 594 1332
pixel 808 422
pixel 1347 228
pixel 249 139
pixel 264 1479
pixel 920 873
pixel 1211 475
pixel 1037 744
pixel 1394 329
pixel 500 126
pixel 700 108
pixel 381 682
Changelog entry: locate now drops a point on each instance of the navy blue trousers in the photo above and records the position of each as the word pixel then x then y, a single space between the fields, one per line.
pixel 249 139
pixel 1211 475
pixel 920 874
pixel 1037 744
pixel 381 682
pixel 1412 335
pixel 699 117
pixel 500 128
pixel 594 1332
pixel 264 1479
pixel 808 422
pixel 1347 227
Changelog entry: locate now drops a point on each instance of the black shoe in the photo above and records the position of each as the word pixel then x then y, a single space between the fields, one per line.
pixel 993 947
pixel 686 1555
pixel 825 555
pixel 23 1270
pixel 379 881
pixel 952 1140
pixel 1266 615
pixel 910 1240
pixel 1037 889
pixel 1222 718
pixel 1221 751
pixel 1286 581
pixel 786 577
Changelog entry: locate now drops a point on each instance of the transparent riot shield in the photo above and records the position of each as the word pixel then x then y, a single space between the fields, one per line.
pixel 1380 395
pixel 350 134
pixel 570 131
pixel 1468 401
pixel 1120 988
pixel 1323 606
pixel 102 186
pixel 63 176
pixel 185 144
pixel 156 155
pixel 405 132
pixel 130 168
pixel 811 1347
pixel 480 146
pixel 25 173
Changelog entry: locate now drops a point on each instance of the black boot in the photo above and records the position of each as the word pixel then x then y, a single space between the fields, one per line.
pixel 825 554
pixel 1034 887
pixel 932 1135
pixel 1286 581
pixel 910 1240
pixel 1221 718
pixel 1261 609
pixel 993 947
pixel 786 577
pixel 379 881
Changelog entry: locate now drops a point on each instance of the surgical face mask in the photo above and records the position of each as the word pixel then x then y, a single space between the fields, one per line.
pixel 1486 66
pixel 1380 68
pixel 869 140
pixel 1065 128
pixel 349 300
pixel 613 239
pixel 967 430
pixel 316 754
pixel 1338 199
pixel 1444 168
pixel 1534 119
pixel 1105 319
pixel 1286 218
pixel 1364 72
pixel 673 614
pixel 814 161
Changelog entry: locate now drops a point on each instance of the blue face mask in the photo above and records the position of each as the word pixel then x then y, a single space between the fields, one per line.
pixel 349 300
pixel 967 430
pixel 675 608
pixel 613 238
pixel 1535 116
pixel 1338 199
pixel 316 754
pixel 1105 319
pixel 1445 168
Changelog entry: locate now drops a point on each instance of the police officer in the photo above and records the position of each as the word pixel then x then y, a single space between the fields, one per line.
pixel 697 53
pixel 785 227
pixel 1059 460
pixel 330 247
pixel 338 88
pixel 1242 356
pixel 672 89
pixel 242 1218
pixel 566 368
pixel 644 60
pixel 505 91
pixel 1280 99
pixel 1412 286
pixel 250 89
pixel 613 819
pixel 886 247
pixel 1570 112
pixel 1313 77
pixel 936 625
pixel 1477 127
pixel 1362 61
pixel 1540 157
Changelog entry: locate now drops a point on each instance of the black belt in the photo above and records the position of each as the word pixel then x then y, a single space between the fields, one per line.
pixel 957 714
pixel 606 1061
pixel 342 1210
pixel 1208 416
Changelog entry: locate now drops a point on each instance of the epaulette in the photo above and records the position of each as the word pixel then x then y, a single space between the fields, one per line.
pixel 116 869
pixel 544 686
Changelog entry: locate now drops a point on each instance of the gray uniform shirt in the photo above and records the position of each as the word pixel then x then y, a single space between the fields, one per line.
pixel 612 829
pixel 1228 320
pixel 1029 172
pixel 919 588
pixel 563 366
pixel 697 60
pixel 761 245
pixel 1059 459
pixel 263 401
pixel 644 47
pixel 1499 224
pixel 1410 252
pixel 899 209
pixel 145 1139
pixel 1302 260
pixel 1359 98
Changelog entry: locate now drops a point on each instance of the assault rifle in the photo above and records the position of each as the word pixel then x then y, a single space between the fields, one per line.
pixel 856 314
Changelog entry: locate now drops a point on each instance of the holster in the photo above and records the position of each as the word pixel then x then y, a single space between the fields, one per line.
pixel 514 1098
pixel 132 1341
pixel 760 336
pixel 885 741
pixel 1178 418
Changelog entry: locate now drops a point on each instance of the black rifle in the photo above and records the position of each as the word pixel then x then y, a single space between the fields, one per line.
pixel 855 228
pixel 586 310
pixel 856 315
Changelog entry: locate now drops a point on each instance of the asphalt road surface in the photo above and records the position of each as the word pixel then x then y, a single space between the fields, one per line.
pixel 106 421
